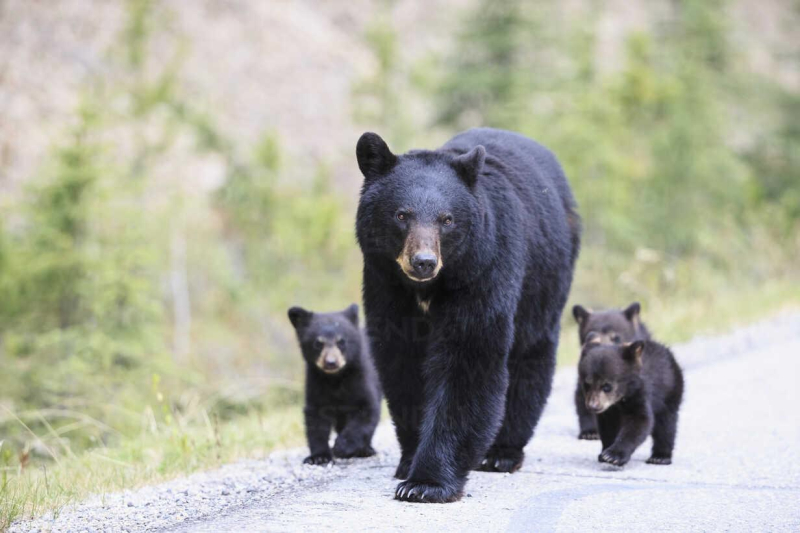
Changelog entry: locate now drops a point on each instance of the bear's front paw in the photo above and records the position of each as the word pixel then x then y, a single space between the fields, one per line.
pixel 589 434
pixel 403 468
pixel 502 460
pixel 424 492
pixel 614 457
pixel 659 460
pixel 318 459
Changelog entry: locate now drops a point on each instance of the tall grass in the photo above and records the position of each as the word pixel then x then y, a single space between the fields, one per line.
pixel 31 486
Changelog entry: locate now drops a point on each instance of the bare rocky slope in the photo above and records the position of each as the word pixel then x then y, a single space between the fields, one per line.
pixel 283 66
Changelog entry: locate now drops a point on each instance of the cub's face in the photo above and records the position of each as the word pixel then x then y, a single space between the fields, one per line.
pixel 608 327
pixel 329 341
pixel 605 371
pixel 416 209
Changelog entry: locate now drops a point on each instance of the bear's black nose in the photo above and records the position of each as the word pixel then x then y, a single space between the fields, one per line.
pixel 424 263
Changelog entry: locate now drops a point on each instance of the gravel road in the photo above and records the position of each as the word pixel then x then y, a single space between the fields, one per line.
pixel 736 467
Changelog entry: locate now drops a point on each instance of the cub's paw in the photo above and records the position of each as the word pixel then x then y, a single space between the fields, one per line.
pixel 367 451
pixel 589 434
pixel 318 459
pixel 502 460
pixel 614 457
pixel 659 460
pixel 344 451
pixel 424 492
pixel 403 468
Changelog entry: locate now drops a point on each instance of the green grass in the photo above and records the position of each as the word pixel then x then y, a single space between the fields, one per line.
pixel 31 486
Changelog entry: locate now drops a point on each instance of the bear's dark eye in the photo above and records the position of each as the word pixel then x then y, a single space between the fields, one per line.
pixel 616 339
pixel 606 388
pixel 317 344
pixel 447 220
pixel 341 344
pixel 401 216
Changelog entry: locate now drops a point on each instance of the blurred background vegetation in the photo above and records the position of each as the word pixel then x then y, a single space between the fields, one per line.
pixel 174 178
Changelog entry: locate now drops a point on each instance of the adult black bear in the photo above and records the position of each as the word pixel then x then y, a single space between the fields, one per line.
pixel 342 390
pixel 635 390
pixel 468 258
pixel 612 326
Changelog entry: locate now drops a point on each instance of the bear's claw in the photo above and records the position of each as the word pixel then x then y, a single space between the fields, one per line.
pixel 589 434
pixel 319 459
pixel 421 492
pixel 656 460
pixel 613 457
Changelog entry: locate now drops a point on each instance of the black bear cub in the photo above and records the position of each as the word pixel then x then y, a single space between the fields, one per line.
pixel 635 390
pixel 613 326
pixel 342 390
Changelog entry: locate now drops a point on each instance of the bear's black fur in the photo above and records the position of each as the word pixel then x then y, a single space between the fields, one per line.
pixel 611 327
pixel 342 389
pixel 469 253
pixel 634 390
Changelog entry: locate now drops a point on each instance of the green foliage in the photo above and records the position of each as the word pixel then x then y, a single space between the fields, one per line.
pixel 80 278
pixel 380 98
pixel 296 237
pixel 489 74
pixel 775 160
pixel 92 276
pixel 647 146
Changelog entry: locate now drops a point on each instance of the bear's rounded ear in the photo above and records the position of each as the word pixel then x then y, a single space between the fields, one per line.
pixel 591 341
pixel 632 352
pixel 468 166
pixel 632 311
pixel 299 317
pixel 580 313
pixel 374 157
pixel 352 314
pixel 593 338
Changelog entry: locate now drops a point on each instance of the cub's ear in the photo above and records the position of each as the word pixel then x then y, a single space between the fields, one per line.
pixel 469 165
pixel 580 313
pixel 593 338
pixel 299 317
pixel 352 314
pixel 632 352
pixel 590 342
pixel 632 311
pixel 374 157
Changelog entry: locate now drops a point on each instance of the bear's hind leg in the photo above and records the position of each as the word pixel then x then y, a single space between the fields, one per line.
pixel 664 430
pixel 530 379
